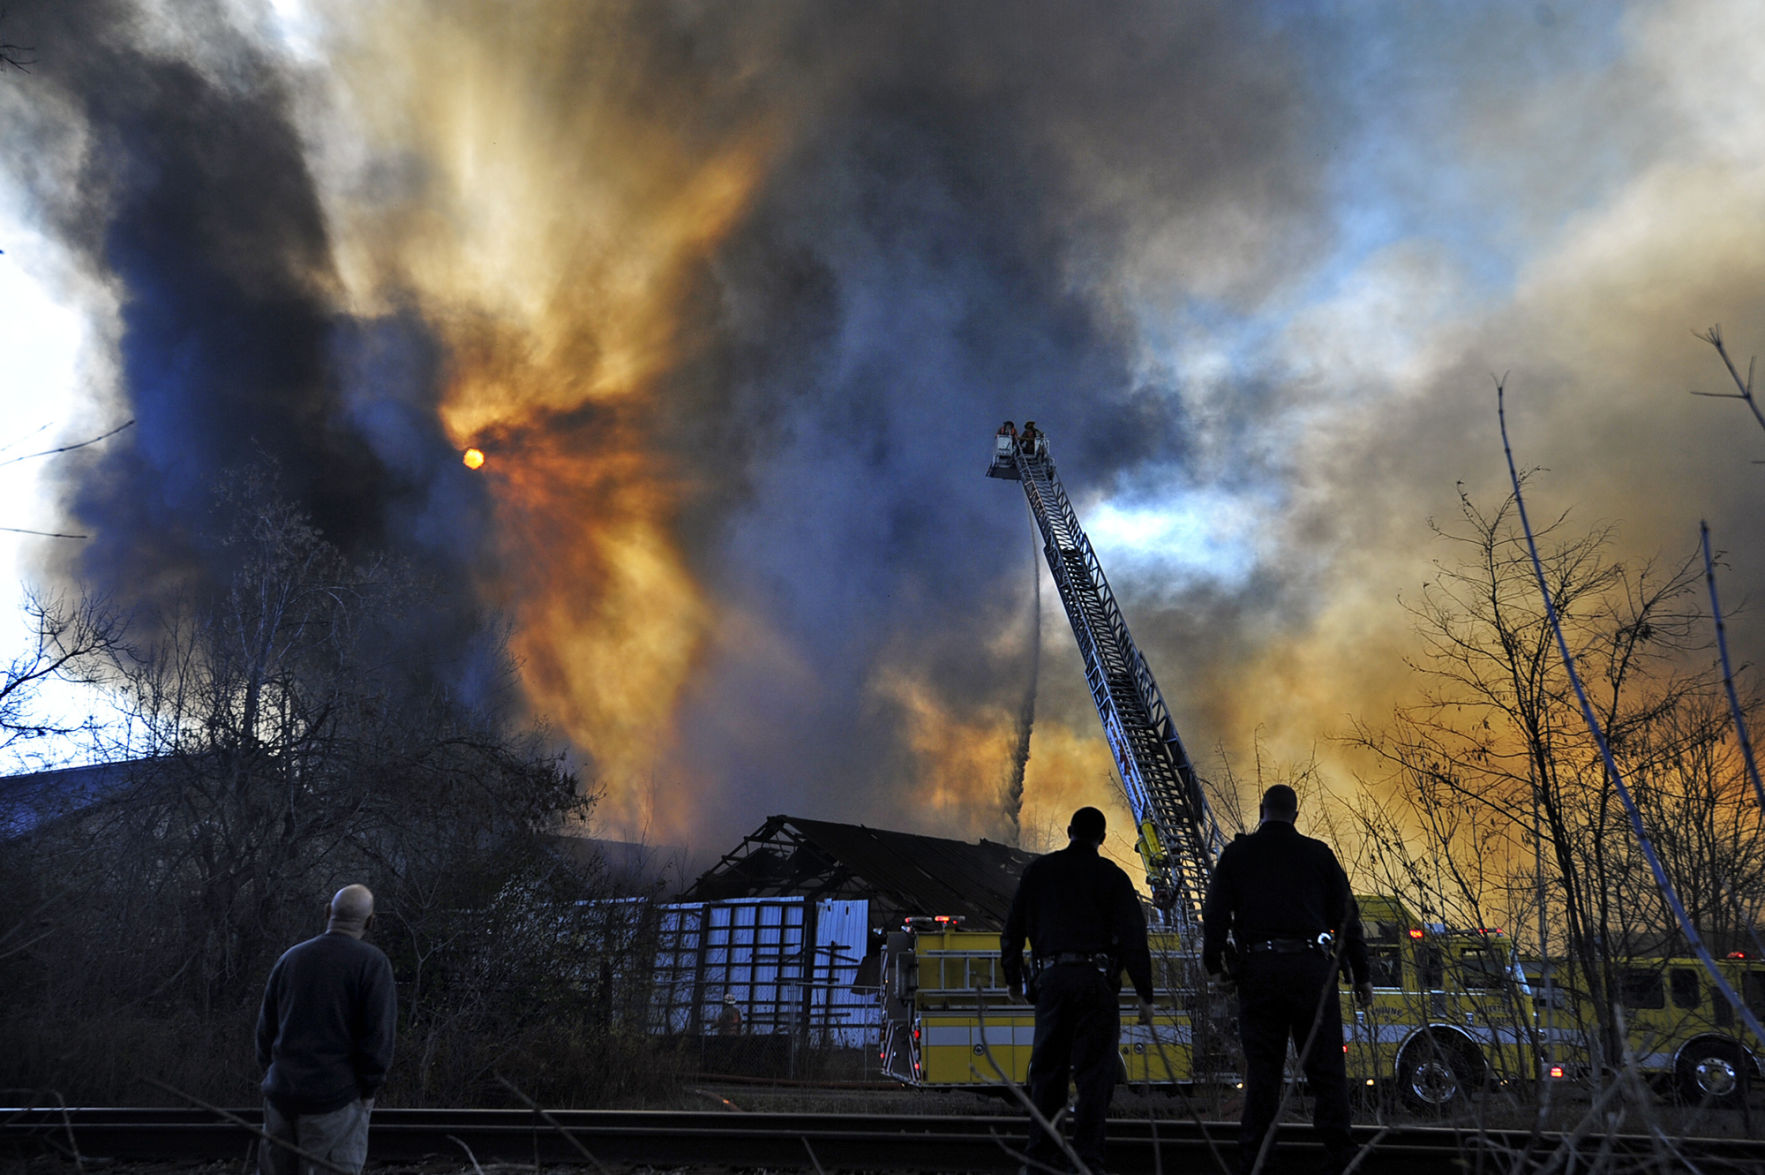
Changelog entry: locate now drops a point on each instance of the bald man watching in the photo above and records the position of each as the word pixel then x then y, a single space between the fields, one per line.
pixel 324 1041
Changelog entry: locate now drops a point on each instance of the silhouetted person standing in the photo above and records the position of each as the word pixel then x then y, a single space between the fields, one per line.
pixel 1285 901
pixel 1084 924
pixel 324 1041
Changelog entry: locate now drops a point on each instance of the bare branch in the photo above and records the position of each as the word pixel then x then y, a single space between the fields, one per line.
pixel 264 1136
pixel 551 1120
pixel 1713 336
pixel 17 56
pixel 68 448
pixel 47 534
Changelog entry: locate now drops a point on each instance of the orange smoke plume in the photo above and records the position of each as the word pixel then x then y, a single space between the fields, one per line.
pixel 549 246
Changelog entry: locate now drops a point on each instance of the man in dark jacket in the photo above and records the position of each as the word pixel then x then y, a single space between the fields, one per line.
pixel 1085 926
pixel 1285 901
pixel 324 1040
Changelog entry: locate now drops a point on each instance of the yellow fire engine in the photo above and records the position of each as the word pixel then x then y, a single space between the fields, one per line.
pixel 949 1021
pixel 1678 1027
pixel 1450 1012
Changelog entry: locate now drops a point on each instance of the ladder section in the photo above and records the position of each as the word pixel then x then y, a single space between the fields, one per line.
pixel 1179 838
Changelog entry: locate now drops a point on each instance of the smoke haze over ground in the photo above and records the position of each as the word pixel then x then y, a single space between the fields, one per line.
pixel 733 298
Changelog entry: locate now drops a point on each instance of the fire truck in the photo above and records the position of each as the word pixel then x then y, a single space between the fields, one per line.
pixel 950 1023
pixel 1450 1011
pixel 1679 1029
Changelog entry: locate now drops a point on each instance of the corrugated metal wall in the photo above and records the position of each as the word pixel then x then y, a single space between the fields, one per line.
pixel 841 1012
pixel 790 966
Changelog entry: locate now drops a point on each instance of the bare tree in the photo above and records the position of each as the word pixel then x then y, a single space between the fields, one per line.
pixel 68 638
pixel 283 742
pixel 1691 785
pixel 1498 766
pixel 68 641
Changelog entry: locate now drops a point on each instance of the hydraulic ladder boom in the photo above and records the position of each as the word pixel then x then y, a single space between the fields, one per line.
pixel 1179 838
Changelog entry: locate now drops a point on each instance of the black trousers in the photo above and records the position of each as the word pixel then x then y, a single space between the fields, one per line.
pixel 1279 997
pixel 1078 1032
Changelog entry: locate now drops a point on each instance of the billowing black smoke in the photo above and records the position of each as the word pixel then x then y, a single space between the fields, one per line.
pixel 939 253
pixel 974 209
pixel 195 200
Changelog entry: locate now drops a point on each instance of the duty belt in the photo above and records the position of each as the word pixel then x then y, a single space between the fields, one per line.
pixel 1099 959
pixel 1292 946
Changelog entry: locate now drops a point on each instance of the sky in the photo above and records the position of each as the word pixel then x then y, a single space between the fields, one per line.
pixel 732 297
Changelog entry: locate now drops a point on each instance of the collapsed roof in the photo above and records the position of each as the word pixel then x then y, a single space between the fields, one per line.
pixel 901 873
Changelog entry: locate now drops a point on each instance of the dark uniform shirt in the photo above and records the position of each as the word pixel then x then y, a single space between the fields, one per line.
pixel 1276 883
pixel 325 1033
pixel 1077 901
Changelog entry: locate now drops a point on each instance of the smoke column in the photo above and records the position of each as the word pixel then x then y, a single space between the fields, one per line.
pixel 732 298
pixel 167 159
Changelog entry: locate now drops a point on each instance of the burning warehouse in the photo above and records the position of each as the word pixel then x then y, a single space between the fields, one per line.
pixel 787 928
pixel 898 873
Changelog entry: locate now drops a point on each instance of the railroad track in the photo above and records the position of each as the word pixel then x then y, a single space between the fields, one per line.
pixel 830 1142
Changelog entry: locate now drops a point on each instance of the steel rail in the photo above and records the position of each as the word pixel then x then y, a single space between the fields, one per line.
pixel 807 1141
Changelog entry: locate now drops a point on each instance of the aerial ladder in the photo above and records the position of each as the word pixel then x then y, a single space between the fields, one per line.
pixel 1178 836
pixel 1441 1022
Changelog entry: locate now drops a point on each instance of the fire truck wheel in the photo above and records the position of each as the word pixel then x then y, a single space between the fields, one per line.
pixel 1712 1072
pixel 1435 1074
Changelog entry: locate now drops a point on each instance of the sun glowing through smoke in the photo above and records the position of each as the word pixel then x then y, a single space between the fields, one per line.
pixel 473 458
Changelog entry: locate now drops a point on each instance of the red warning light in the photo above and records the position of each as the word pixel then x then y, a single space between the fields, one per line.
pixel 1556 1071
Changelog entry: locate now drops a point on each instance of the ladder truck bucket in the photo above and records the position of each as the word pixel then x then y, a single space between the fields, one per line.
pixel 1004 457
